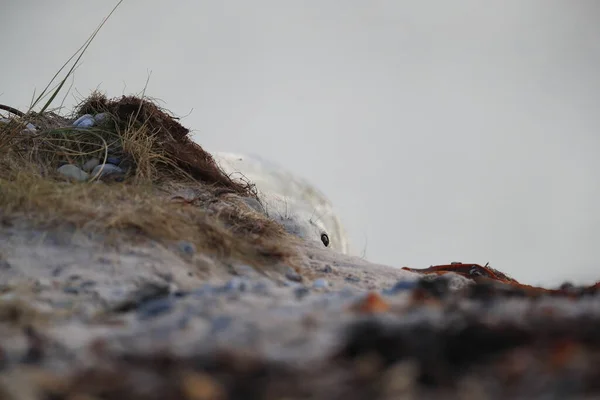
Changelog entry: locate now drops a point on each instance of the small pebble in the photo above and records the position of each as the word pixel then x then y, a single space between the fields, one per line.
pixel 400 286
pixel 261 287
pixel 29 127
pixel 353 279
pixel 44 283
pixel 71 290
pixel 154 308
pixel 73 172
pixel 180 294
pixel 87 284
pixel 236 284
pixel 567 286
pixel 85 121
pixel 321 283
pixel 101 117
pixel 301 292
pixel 90 164
pixel 220 323
pixel 106 169
pixel 144 294
pixel 186 247
pixel 290 284
pixel 293 275
pixel 327 269
pixel 203 290
pixel 245 270
pixel 113 160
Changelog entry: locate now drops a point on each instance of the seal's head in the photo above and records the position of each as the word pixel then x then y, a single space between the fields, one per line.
pixel 303 222
pixel 298 206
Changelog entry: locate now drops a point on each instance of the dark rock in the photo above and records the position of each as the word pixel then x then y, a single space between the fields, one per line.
pixel 154 308
pixel 113 160
pixel 147 292
pixel 236 284
pixel 262 287
pixel 180 294
pixel 105 170
pixel 56 271
pixel 301 292
pixel 71 290
pixel 35 347
pixel 400 286
pixel 437 286
pixel 85 121
pixel 220 323
pixel 186 247
pixel 293 275
pixel 321 283
pixel 90 164
pixel 87 284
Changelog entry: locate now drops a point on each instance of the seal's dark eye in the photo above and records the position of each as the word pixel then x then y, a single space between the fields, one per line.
pixel 325 239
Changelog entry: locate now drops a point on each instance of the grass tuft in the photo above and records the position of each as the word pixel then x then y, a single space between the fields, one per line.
pixel 161 163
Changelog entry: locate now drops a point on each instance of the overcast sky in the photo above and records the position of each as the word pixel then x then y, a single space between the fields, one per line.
pixel 442 131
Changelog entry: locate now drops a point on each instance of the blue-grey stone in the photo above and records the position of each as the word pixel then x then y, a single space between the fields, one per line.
pixel 90 164
pixel 101 117
pixel 154 308
pixel 301 292
pixel 87 284
pixel 186 247
pixel 106 169
pixel 204 290
pixel 236 284
pixel 220 323
pixel 245 270
pixel 400 286
pixel 113 160
pixel 262 287
pixel 180 293
pixel 85 121
pixel 293 275
pixel 321 283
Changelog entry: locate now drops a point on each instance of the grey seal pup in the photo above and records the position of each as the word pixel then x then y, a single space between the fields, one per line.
pixel 300 207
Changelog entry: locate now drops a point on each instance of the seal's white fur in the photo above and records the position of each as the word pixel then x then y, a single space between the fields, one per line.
pixel 299 206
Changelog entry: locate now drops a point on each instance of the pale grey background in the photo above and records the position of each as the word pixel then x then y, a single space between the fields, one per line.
pixel 442 130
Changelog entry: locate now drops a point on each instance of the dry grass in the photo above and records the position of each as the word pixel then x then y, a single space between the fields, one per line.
pixel 161 161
